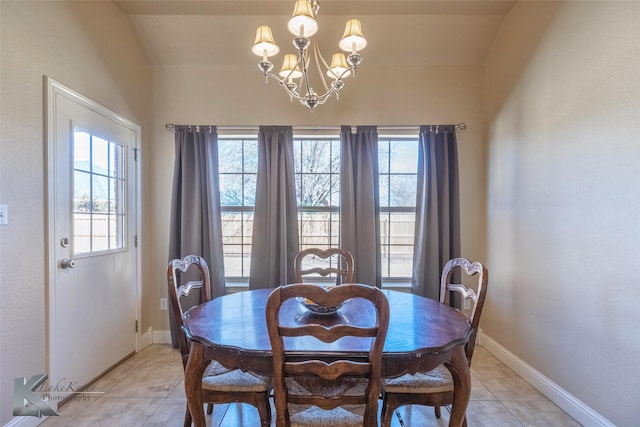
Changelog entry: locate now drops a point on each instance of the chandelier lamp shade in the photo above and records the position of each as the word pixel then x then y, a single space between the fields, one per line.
pixel 294 75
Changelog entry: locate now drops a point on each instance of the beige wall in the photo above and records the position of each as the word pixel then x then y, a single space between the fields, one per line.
pixel 92 49
pixel 209 95
pixel 557 104
pixel 562 104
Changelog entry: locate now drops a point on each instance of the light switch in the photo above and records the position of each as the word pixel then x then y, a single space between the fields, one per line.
pixel 4 215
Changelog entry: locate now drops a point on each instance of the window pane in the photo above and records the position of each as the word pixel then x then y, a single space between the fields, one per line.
pixel 317 172
pixel 400 261
pixel 236 240
pixel 335 190
pixel 230 156
pixel 116 160
pixel 81 191
pixel 396 235
pixel 232 261
pixel 316 156
pixel 81 150
pixel 315 190
pixel 100 155
pixel 247 229
pixel 383 156
pixel 119 196
pixel 384 190
pixel 249 198
pixel 403 156
pixel 297 155
pixel 100 198
pixel 316 229
pixel 112 201
pixel 231 190
pixel 99 232
pixel 251 156
pixel 81 233
pixel 402 190
pixel 231 228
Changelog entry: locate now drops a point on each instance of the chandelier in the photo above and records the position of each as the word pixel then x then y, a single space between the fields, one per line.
pixel 293 75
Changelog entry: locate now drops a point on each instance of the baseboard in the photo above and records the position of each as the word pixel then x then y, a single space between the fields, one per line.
pixel 571 405
pixel 161 337
pixel 29 421
pixel 25 421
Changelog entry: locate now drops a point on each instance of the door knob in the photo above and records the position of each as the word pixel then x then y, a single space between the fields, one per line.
pixel 67 263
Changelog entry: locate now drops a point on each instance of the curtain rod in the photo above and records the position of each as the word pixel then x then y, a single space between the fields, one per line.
pixel 460 126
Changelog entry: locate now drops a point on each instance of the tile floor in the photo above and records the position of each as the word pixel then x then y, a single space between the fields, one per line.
pixel 148 390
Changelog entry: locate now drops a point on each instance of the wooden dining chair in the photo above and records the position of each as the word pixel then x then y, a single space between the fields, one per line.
pixel 324 262
pixel 219 384
pixel 435 388
pixel 313 392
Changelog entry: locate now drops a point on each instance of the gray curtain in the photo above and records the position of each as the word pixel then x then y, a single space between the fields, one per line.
pixel 275 225
pixel 437 232
pixel 195 227
pixel 360 202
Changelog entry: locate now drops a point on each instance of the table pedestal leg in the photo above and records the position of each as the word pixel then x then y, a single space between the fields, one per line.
pixel 461 386
pixel 193 383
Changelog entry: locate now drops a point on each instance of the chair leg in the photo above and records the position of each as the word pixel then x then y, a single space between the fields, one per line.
pixel 464 422
pixel 387 414
pixel 187 418
pixel 437 410
pixel 264 409
pixel 209 408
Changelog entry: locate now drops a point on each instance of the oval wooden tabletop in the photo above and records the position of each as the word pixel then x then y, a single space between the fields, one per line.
pixel 416 325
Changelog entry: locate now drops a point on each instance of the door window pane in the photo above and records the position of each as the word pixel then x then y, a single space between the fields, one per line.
pixel 98 193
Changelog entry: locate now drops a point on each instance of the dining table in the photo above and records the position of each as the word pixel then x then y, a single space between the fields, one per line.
pixel 231 329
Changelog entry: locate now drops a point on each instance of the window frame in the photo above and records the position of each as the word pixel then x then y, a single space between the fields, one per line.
pixel 388 282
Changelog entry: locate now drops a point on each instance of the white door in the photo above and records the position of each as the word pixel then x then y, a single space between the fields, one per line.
pixel 93 258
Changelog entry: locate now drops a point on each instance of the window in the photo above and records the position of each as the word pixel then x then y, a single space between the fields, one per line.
pixel 317 172
pixel 238 167
pixel 98 193
pixel 317 177
pixel 398 169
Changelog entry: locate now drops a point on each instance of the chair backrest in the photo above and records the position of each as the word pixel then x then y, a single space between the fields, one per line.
pixel 184 275
pixel 479 275
pixel 342 364
pixel 324 262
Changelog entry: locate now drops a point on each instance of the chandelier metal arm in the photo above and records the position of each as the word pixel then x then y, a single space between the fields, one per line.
pixel 314 99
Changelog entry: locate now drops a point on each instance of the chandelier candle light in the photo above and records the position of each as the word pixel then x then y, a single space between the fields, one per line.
pixel 303 25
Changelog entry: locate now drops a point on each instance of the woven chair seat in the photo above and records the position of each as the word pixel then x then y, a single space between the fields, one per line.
pixel 219 378
pixel 437 381
pixel 312 416
pixel 309 386
pixel 342 416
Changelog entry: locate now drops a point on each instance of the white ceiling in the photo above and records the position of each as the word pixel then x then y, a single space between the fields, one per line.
pixel 400 33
